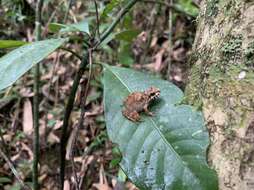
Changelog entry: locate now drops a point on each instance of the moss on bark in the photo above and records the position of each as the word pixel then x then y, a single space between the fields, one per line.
pixel 222 81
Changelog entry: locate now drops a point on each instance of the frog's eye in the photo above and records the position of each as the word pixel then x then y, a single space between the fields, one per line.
pixel 155 94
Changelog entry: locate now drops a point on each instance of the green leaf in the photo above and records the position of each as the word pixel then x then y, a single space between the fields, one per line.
pixel 82 26
pixel 56 27
pixel 15 187
pixel 188 7
pixel 121 175
pixel 19 61
pixel 109 7
pixel 11 43
pixel 125 56
pixel 127 35
pixel 166 151
pixel 107 40
pixel 5 180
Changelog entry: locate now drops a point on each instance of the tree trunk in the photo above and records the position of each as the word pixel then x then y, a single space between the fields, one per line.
pixel 222 81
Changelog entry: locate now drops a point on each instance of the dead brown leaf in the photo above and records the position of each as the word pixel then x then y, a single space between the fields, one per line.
pixel 28 150
pixel 27 118
pixel 67 185
pixel 158 60
pixel 103 183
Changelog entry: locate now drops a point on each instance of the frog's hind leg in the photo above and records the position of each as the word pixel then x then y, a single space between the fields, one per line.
pixel 133 116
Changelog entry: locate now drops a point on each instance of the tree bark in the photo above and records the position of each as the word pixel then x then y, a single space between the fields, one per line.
pixel 222 84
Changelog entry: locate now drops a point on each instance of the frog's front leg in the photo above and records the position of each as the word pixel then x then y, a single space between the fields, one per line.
pixel 147 111
pixel 131 115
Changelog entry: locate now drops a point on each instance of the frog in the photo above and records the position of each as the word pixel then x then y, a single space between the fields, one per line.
pixel 137 102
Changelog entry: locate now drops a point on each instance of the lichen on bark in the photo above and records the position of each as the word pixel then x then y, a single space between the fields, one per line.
pixel 222 81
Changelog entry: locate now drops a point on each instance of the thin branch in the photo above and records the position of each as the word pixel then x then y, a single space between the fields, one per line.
pixel 67 11
pixel 120 15
pixel 14 171
pixel 51 17
pixel 72 52
pixel 36 137
pixel 72 147
pixel 90 52
pixel 97 19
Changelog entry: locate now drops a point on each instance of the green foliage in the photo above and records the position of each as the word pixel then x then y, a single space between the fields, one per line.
pixel 81 26
pixel 17 11
pixel 127 35
pixel 19 61
pixel 5 180
pixel 125 40
pixel 116 157
pixel 56 27
pixel 124 54
pixel 62 28
pixel 109 7
pixel 11 43
pixel 188 7
pixel 16 186
pixel 167 151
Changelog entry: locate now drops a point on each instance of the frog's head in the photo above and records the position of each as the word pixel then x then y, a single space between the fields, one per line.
pixel 152 93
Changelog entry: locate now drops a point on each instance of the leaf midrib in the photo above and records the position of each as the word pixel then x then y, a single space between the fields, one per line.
pixel 152 121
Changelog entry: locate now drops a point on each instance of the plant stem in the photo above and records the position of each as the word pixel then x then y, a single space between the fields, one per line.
pixel 120 15
pixel 68 109
pixel 36 143
pixel 84 94
pixel 72 52
pixel 97 20
pixel 67 11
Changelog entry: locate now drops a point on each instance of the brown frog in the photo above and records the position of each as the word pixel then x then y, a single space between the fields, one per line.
pixel 137 102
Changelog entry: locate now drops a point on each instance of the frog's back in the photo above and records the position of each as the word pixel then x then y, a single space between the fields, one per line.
pixel 135 101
